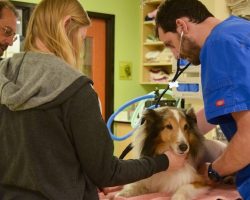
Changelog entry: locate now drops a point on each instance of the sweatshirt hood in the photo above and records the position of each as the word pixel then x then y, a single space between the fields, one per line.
pixel 31 79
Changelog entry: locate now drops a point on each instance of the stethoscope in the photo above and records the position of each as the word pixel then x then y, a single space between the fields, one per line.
pixel 179 70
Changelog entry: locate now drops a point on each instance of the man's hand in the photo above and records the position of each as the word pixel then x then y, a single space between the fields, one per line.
pixel 203 170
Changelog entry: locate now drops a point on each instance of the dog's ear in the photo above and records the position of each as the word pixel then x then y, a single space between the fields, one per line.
pixel 190 113
pixel 195 137
pixel 147 116
pixel 152 126
pixel 151 116
pixel 147 113
pixel 142 120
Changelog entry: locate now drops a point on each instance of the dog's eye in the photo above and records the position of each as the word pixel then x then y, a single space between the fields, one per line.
pixel 169 126
pixel 186 127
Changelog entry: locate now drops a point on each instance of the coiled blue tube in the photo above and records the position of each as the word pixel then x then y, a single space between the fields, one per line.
pixel 112 117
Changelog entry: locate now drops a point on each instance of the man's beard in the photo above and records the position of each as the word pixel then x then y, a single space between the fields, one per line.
pixel 190 51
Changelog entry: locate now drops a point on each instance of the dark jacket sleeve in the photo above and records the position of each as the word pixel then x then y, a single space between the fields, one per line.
pixel 94 145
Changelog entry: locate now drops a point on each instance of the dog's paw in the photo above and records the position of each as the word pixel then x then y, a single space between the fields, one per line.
pixel 127 191
pixel 178 197
pixel 124 193
pixel 133 189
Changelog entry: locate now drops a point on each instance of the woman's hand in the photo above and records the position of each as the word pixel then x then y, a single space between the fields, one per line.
pixel 176 161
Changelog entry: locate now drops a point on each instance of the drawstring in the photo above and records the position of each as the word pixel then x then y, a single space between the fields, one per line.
pixel 18 69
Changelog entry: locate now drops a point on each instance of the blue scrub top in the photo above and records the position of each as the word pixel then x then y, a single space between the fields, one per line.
pixel 225 76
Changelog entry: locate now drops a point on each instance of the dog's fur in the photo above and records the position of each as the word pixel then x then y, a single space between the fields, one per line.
pixel 168 128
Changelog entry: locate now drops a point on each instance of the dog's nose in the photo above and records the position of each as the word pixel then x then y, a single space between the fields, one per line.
pixel 183 147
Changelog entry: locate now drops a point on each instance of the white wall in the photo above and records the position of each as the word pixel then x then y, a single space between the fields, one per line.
pixel 217 7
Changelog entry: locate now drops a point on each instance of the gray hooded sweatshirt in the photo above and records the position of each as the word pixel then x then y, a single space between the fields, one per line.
pixel 54 143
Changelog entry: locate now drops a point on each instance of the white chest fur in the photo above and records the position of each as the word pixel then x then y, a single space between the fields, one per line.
pixel 170 181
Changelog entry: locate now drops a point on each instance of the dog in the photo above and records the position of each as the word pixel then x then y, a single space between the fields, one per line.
pixel 163 129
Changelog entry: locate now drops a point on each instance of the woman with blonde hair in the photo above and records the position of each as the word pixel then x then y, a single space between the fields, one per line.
pixel 54 143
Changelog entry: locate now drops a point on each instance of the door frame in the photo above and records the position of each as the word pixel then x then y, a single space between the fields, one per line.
pixel 27 9
pixel 109 79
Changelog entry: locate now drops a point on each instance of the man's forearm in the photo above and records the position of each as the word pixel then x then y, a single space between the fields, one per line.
pixel 236 155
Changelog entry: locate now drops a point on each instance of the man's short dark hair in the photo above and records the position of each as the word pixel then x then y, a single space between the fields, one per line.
pixel 8 5
pixel 170 10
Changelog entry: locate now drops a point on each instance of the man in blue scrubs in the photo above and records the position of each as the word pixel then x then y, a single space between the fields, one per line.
pixel 223 50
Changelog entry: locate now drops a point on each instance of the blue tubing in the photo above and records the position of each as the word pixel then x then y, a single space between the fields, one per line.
pixel 112 117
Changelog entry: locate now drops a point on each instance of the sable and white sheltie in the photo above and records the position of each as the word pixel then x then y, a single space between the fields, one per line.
pixel 170 128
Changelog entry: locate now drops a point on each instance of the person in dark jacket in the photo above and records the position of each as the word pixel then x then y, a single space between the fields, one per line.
pixel 54 143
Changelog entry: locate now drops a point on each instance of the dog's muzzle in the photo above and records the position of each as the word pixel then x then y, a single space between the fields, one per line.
pixel 183 147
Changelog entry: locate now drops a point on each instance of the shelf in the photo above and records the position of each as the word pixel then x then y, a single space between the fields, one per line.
pixel 152 1
pixel 152 23
pixel 159 43
pixel 156 64
pixel 153 83
pixel 164 60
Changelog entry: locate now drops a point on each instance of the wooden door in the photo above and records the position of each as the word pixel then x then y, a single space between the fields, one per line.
pixel 95 66
pixel 99 58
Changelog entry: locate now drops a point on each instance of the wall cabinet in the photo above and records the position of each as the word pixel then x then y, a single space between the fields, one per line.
pixel 158 63
pixel 156 66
